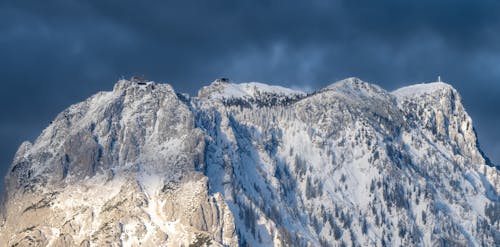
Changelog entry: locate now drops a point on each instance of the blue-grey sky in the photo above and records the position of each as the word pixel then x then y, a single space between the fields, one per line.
pixel 56 53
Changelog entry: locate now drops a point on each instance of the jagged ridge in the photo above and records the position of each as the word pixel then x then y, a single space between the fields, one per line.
pixel 256 164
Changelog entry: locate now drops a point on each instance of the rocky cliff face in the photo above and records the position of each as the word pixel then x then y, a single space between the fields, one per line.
pixel 117 169
pixel 253 164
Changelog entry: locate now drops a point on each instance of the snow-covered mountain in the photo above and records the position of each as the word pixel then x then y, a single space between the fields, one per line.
pixel 259 165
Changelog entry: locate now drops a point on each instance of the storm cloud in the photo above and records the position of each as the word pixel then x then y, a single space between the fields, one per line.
pixel 56 53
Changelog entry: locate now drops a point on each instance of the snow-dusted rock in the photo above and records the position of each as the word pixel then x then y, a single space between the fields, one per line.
pixel 98 173
pixel 350 164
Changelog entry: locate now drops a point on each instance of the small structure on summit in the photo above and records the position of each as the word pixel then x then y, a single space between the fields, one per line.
pixel 223 80
pixel 138 79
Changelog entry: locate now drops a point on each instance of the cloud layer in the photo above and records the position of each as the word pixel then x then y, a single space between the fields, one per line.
pixel 58 53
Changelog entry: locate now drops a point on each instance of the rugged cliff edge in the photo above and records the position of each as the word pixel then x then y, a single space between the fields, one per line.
pixel 254 164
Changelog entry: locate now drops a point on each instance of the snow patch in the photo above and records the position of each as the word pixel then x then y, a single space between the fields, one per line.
pixel 421 89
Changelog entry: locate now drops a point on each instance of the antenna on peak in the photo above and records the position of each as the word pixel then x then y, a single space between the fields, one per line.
pixel 439 78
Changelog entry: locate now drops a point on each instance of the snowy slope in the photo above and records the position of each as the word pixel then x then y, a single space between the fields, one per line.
pixel 220 90
pixel 421 89
pixel 260 165
pixel 352 164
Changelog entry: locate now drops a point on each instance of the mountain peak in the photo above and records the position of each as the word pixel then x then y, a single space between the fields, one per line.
pixel 357 90
pixel 350 81
pixel 140 84
pixel 226 90
pixel 352 84
pixel 255 164
pixel 417 90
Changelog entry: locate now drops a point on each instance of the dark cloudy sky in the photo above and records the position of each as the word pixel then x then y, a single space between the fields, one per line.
pixel 56 53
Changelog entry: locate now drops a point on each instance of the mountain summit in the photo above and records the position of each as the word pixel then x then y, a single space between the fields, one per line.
pixel 252 164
